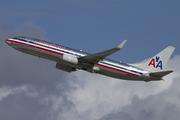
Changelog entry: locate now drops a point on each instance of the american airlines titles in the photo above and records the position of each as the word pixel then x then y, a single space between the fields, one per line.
pixel 54 45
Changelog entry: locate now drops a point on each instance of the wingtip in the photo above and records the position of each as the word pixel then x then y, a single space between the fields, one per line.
pixel 171 47
pixel 122 44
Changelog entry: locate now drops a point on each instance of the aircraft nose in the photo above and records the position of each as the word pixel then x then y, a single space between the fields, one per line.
pixel 8 42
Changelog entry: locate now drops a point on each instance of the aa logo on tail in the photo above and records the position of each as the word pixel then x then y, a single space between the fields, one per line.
pixel 156 63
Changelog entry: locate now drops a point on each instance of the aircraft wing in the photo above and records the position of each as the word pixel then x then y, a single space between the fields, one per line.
pixel 95 58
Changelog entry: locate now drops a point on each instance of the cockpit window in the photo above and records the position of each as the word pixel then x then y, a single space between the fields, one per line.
pixel 26 38
pixel 16 38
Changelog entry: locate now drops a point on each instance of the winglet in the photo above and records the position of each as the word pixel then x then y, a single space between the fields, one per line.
pixel 121 45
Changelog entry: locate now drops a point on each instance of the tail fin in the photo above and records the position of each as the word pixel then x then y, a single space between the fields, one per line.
pixel 158 62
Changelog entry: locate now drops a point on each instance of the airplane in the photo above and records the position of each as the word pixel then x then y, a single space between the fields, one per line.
pixel 68 59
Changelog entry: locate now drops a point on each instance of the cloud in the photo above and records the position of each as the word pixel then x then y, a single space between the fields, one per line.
pixel 27 83
pixel 29 29
pixel 98 96
pixel 117 116
pixel 5 91
pixel 31 88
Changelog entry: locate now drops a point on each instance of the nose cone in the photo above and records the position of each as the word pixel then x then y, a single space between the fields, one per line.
pixel 8 42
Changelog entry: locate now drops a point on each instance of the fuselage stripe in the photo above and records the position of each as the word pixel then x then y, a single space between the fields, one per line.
pixel 116 69
pixel 36 47
pixel 60 52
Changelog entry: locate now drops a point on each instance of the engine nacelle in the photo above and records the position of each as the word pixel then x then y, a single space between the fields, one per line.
pixel 94 69
pixel 65 67
pixel 69 59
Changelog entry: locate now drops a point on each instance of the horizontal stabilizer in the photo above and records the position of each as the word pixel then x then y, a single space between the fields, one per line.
pixel 160 74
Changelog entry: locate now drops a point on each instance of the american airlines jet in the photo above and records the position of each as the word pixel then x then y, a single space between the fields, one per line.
pixel 69 60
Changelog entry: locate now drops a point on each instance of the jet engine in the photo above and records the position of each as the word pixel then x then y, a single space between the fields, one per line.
pixel 94 69
pixel 69 59
pixel 65 67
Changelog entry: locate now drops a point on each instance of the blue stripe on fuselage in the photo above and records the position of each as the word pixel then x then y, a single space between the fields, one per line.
pixel 67 52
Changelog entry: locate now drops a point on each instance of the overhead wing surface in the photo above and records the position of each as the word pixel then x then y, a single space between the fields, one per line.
pixel 95 58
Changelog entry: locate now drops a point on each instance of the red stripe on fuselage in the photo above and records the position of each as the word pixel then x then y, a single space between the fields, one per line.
pixel 35 47
pixel 116 69
pixel 62 54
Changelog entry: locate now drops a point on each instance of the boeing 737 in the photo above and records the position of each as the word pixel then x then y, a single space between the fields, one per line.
pixel 69 60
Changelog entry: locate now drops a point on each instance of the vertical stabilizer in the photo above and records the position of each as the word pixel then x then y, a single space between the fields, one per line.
pixel 158 62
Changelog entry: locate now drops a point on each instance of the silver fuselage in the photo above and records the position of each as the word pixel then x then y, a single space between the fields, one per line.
pixel 54 52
